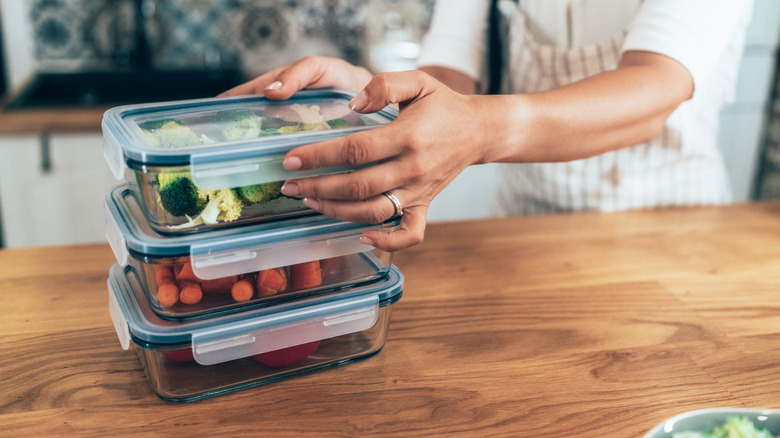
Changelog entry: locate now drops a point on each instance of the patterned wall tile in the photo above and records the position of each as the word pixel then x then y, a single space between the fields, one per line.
pixel 256 35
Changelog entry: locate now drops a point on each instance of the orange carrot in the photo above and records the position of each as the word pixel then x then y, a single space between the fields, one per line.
pixel 191 292
pixel 163 274
pixel 306 275
pixel 271 281
pixel 219 285
pixel 242 290
pixel 167 294
pixel 186 273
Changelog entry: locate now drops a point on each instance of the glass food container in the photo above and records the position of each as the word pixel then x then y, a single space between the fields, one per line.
pixel 198 275
pixel 191 360
pixel 210 163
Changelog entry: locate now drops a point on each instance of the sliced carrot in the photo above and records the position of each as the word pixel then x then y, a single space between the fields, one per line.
pixel 306 275
pixel 242 290
pixel 191 293
pixel 186 273
pixel 219 285
pixel 271 281
pixel 163 274
pixel 167 294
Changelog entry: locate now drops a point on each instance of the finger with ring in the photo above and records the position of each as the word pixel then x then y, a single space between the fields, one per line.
pixel 396 204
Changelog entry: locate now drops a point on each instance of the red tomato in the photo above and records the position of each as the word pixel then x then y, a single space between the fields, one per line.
pixel 287 356
pixel 184 355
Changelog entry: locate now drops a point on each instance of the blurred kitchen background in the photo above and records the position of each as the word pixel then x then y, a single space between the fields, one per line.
pixel 66 54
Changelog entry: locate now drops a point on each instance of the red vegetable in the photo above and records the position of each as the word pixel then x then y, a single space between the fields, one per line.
pixel 306 275
pixel 219 285
pixel 186 273
pixel 242 290
pixel 183 355
pixel 167 294
pixel 287 356
pixel 271 281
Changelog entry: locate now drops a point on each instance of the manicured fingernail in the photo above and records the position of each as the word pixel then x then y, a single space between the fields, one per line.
pixel 291 189
pixel 359 102
pixel 311 203
pixel 292 163
pixel 366 241
pixel 274 86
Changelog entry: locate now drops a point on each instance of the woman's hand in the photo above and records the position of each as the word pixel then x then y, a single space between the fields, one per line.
pixel 436 135
pixel 309 72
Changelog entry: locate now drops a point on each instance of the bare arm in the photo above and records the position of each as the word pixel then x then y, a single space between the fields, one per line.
pixel 604 112
pixel 440 132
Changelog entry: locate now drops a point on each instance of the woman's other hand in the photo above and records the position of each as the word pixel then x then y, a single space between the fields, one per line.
pixel 309 72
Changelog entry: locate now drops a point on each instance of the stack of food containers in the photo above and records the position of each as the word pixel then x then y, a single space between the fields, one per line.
pixel 221 282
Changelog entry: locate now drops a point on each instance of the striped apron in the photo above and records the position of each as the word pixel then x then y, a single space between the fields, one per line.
pixel 680 166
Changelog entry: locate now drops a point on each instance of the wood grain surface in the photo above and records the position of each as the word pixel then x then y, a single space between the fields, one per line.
pixel 49 120
pixel 582 325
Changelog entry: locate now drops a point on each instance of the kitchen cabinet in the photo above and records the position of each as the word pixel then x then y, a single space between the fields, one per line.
pixel 53 195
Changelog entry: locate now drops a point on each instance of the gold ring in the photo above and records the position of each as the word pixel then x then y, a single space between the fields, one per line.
pixel 396 204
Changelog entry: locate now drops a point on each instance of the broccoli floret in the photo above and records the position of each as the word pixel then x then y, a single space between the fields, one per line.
pixel 239 124
pixel 157 124
pixel 260 193
pixel 269 131
pixel 338 123
pixel 179 196
pixel 223 205
pixel 170 134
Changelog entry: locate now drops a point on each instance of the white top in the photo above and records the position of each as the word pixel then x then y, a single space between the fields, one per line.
pixel 694 32
pixel 553 42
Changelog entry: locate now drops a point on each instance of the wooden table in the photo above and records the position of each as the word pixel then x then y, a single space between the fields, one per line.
pixel 587 325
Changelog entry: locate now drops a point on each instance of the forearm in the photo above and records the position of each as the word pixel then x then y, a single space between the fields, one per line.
pixel 605 112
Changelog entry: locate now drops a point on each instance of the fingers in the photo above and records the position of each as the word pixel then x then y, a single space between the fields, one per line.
pixel 410 233
pixel 392 88
pixel 308 72
pixel 357 186
pixel 373 210
pixel 255 86
pixel 353 150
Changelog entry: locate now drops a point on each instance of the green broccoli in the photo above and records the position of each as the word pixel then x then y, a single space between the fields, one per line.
pixel 338 123
pixel 269 131
pixel 171 134
pixel 151 125
pixel 239 124
pixel 179 196
pixel 260 193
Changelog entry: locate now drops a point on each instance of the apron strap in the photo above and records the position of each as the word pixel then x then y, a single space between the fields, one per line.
pixel 495 48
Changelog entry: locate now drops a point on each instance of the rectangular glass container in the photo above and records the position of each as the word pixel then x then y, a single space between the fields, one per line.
pixel 196 275
pixel 211 163
pixel 191 360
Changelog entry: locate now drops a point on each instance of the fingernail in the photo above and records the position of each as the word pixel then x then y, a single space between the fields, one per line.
pixel 274 86
pixel 366 241
pixel 359 102
pixel 311 203
pixel 291 189
pixel 292 163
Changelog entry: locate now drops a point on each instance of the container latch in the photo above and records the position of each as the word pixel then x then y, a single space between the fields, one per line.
pixel 284 329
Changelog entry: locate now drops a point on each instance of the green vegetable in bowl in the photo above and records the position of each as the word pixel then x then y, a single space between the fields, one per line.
pixel 171 134
pixel 260 193
pixel 239 124
pixel 179 196
pixel 735 427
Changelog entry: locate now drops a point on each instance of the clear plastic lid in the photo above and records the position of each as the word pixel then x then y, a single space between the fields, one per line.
pixel 232 251
pixel 238 335
pixel 231 141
